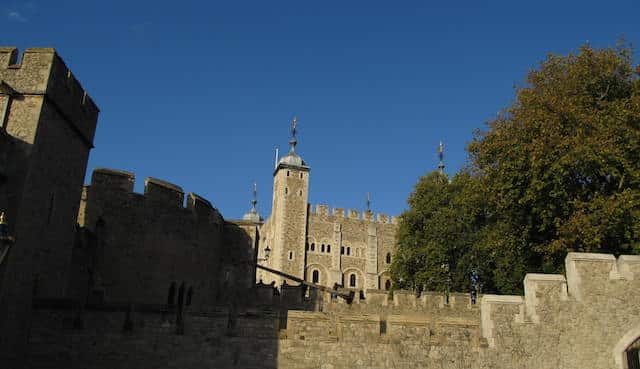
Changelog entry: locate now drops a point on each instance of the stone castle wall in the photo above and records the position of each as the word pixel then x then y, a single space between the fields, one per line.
pixel 584 320
pixel 138 245
pixel 97 296
pixel 49 122
pixel 339 245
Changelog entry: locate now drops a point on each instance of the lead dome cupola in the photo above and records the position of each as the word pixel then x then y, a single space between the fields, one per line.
pixel 292 159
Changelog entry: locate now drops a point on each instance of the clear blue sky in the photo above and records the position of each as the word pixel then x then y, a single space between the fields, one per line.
pixel 199 93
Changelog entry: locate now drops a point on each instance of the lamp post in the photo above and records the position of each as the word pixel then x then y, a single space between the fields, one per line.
pixel 6 241
pixel 474 286
pixel 446 269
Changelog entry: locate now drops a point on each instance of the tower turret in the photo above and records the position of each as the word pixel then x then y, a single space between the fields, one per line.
pixel 253 214
pixel 287 226
pixel 47 126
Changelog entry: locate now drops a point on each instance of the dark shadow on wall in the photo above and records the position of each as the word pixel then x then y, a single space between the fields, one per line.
pixel 146 336
pixel 240 329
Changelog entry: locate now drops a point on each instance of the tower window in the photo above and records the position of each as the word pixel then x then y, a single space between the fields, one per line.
pixel 387 285
pixel 348 250
pixel 286 190
pixel 288 173
pixel 388 258
pixel 313 247
pixel 301 175
pixel 322 248
pixel 290 255
pixel 328 248
pixel 300 193
pixel 341 250
pixel 352 280
pixel 306 246
pixel 315 276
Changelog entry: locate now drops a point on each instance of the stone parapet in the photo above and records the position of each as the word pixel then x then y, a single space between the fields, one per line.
pixel 113 182
pixel 41 71
pixel 340 213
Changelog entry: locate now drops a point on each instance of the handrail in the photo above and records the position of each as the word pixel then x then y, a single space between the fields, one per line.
pixel 347 296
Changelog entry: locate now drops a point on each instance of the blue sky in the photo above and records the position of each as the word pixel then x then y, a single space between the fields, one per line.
pixel 200 93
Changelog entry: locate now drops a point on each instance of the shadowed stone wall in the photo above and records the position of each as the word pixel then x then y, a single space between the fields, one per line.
pixel 136 246
pixel 584 320
pixel 48 123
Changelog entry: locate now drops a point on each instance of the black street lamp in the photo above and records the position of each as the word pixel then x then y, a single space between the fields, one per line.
pixel 446 269
pixel 475 279
pixel 6 241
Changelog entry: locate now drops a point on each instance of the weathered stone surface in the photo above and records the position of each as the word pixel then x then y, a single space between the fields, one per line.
pixel 146 281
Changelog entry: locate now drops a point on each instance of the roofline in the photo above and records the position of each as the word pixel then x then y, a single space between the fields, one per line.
pixel 299 167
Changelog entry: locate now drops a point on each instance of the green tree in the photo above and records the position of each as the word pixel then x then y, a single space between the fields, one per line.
pixel 438 234
pixel 557 171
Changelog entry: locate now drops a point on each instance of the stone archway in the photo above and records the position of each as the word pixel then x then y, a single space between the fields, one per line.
pixel 627 350
pixel 632 355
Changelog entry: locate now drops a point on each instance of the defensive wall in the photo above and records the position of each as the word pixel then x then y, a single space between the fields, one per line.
pixel 48 123
pixel 344 243
pixel 140 247
pixel 586 319
pixel 41 77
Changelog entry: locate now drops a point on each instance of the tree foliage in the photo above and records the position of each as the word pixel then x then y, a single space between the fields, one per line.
pixel 557 171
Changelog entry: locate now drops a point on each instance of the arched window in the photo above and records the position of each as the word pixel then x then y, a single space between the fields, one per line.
pixel 388 259
pixel 329 248
pixel 352 280
pixel 313 247
pixel 315 276
pixel 633 355
pixel 348 250
pixel 322 249
pixel 387 284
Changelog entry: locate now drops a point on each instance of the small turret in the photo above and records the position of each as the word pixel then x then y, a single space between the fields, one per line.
pixel 253 214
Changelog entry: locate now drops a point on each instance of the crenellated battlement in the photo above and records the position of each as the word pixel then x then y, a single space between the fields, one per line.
pixel 323 210
pixel 40 71
pixel 113 180
pixel 434 304
pixel 163 192
pixel 118 183
pixel 592 281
